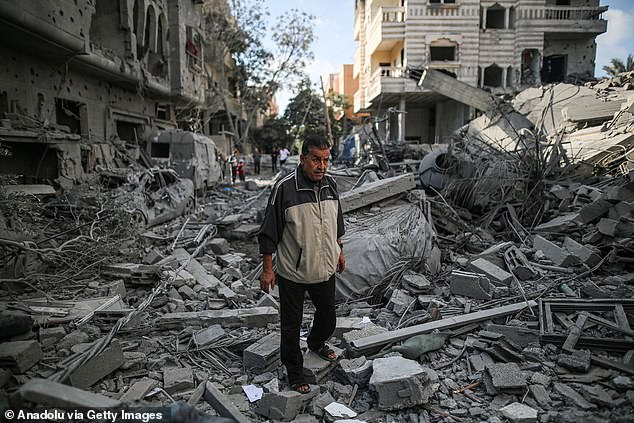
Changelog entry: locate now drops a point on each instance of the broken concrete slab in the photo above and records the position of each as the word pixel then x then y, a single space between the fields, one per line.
pixel 522 336
pixel 472 285
pixel 558 224
pixel 573 395
pixel 99 366
pixel 44 392
pixel 519 413
pixel 222 404
pixel 541 395
pixel 553 252
pixel 399 301
pixel 457 90
pixel 417 283
pixel 284 406
pixel 583 253
pixel 316 369
pixel 138 390
pixel 356 371
pixel 177 379
pixel 577 360
pixel 219 246
pixel 399 383
pixel 593 211
pixel 494 273
pixel 480 361
pixel 264 354
pixel 20 356
pixel 208 335
pixel 336 411
pixel 250 317
pixel 504 377
pixel 374 192
pixel 267 300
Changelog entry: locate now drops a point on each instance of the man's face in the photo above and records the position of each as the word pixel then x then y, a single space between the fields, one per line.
pixel 315 163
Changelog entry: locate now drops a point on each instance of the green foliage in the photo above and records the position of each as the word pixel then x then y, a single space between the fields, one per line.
pixel 618 66
pixel 305 112
pixel 274 132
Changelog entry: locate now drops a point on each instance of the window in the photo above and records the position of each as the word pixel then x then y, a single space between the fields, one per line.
pixel 442 1
pixel 438 53
pixel 193 48
pixel 160 150
pixel 69 113
pixel 495 17
pixel 493 76
pixel 128 131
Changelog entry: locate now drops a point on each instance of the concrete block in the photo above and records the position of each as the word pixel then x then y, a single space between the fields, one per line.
pixel 495 274
pixel 267 300
pixel 553 252
pixel 399 301
pixel 417 283
pixel 219 246
pixel 560 223
pixel 504 377
pixel 519 413
pixel 208 335
pixel 46 393
pixel 153 257
pixel 356 371
pixel 615 194
pixel 612 228
pixel 49 336
pixel 593 211
pixel 480 361
pixel 138 390
pixel 621 210
pixel 229 260
pixel 177 379
pixel 317 405
pixel 583 253
pixel 20 356
pixel 369 330
pixel 347 324
pixel 98 367
pixel 472 285
pixel 376 191
pixel 578 361
pixel 518 264
pixel 286 405
pixel 540 379
pixel 316 369
pixel 399 383
pixel 187 293
pixel 264 354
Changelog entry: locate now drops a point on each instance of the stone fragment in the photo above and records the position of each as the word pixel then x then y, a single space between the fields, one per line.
pixel 519 335
pixel 316 369
pixel 98 367
pixel 243 232
pixel 558 224
pixel 208 335
pixel 337 411
pixel 621 210
pixel 623 383
pixel 553 252
pixel 469 284
pixel 320 402
pixel 578 360
pixel 73 338
pixel 541 379
pixel 285 405
pixel 187 293
pixel 519 413
pixel 264 354
pixel 540 394
pixel 46 393
pixel 50 336
pixel 597 395
pixel 138 390
pixel 14 322
pixel 20 356
pixel 480 361
pixel 267 300
pixel 356 370
pixel 219 246
pixel 573 395
pixel 399 302
pixel 347 324
pixel 417 283
pixel 494 273
pixel 593 211
pixel 583 253
pixel 399 383
pixel 504 377
pixel 177 379
pixel 618 193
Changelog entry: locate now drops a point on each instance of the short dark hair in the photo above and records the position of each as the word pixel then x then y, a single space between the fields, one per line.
pixel 316 141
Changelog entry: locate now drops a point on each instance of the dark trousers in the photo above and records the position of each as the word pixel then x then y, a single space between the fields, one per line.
pixel 291 311
pixel 256 167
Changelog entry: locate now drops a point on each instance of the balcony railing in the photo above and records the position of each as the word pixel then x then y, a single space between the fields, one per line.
pixel 393 14
pixel 387 24
pixel 574 14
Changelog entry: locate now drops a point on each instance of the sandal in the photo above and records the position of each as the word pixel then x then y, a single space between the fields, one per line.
pixel 302 388
pixel 326 353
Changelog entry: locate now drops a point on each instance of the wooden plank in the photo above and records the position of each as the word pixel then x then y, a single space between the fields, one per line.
pixel 610 325
pixel 575 332
pixel 374 342
pixel 223 406
pixel 376 191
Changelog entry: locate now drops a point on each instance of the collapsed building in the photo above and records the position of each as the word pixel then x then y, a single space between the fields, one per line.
pixel 84 83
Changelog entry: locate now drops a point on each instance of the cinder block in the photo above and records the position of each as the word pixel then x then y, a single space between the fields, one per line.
pixel 578 361
pixel 469 284
pixel 20 356
pixel 554 253
pixel 176 379
pixel 583 253
pixel 98 367
pixel 219 246
pixel 496 274
pixel 399 383
pixel 264 354
pixel 284 406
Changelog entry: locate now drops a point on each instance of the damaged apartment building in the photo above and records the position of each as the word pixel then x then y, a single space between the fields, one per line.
pixel 502 46
pixel 84 80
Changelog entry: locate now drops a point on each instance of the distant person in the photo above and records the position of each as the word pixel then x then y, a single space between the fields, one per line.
pixel 240 170
pixel 233 162
pixel 274 159
pixel 284 153
pixel 256 161
pixel 223 164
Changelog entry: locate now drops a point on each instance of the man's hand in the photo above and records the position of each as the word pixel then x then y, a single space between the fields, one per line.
pixel 341 264
pixel 267 280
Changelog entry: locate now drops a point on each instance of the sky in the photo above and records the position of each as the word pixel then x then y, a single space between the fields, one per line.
pixel 334 45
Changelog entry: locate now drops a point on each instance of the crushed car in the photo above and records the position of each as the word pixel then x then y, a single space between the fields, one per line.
pixel 155 196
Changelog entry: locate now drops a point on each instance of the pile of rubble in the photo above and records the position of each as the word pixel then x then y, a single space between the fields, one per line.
pixel 504 296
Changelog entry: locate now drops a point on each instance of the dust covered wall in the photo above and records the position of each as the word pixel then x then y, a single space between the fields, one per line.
pixel 449 115
pixel 580 52
pixel 32 86
pixel 417 124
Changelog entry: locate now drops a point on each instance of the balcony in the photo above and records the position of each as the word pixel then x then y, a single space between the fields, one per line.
pixel 356 65
pixel 358 103
pixel 387 28
pixel 565 19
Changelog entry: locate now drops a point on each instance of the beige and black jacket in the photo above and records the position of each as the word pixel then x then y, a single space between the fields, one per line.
pixel 303 222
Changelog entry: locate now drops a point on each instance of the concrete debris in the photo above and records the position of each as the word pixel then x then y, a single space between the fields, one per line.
pixel 20 356
pixel 495 274
pixel 504 377
pixel 469 284
pixel 400 383
pixel 519 413
pixel 263 355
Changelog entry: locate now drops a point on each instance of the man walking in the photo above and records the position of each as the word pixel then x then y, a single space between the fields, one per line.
pixel 304 224
pixel 284 153
pixel 274 159
pixel 256 161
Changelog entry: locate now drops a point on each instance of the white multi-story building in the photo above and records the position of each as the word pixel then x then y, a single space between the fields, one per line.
pixel 501 45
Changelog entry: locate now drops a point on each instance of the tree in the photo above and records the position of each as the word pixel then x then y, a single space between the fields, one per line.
pixel 241 26
pixel 618 66
pixel 274 132
pixel 305 112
